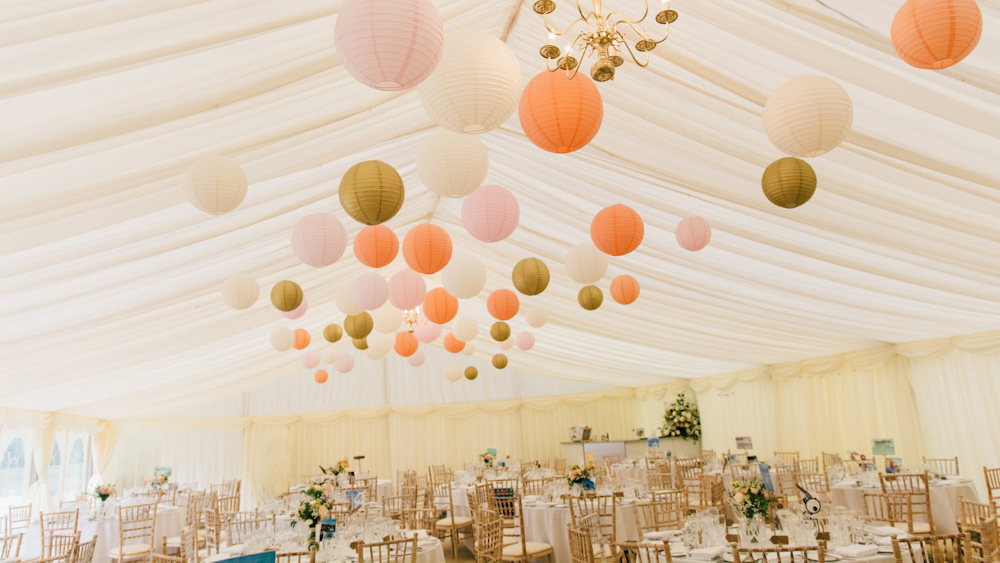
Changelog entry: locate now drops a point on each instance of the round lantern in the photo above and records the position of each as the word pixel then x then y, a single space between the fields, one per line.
pixel 376 246
pixel 936 33
pixel 471 373
pixel 286 295
pixel 530 276
pixel 302 338
pixel 387 318
pixel 475 87
pixel 693 233
pixel 427 248
pixel 214 184
pixel 389 44
pixel 439 306
pixel 506 344
pixel 470 349
pixel 360 343
pixel 282 339
pixel 789 182
pixel 452 164
pixel 617 230
pixel 359 326
pixel 427 332
pixel 330 355
pixel 321 376
pixel 586 264
pixel 560 114
pixel 490 214
pixel 464 276
pixel 624 289
pixel 332 333
pixel 298 312
pixel 370 291
pixel 374 354
pixel 371 192
pixel 319 239
pixel 416 359
pixel 590 297
pixel 500 331
pixel 406 344
pixel 524 341
pixel 345 302
pixel 503 304
pixel 380 344
pixel 499 361
pixel 345 363
pixel 808 116
pixel 407 290
pixel 241 291
pixel 465 328
pixel 453 372
pixel 310 359
pixel 453 344
pixel 537 316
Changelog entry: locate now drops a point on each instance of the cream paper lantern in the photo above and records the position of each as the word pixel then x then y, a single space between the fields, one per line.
pixel 586 264
pixel 506 344
pixel 282 339
pixel 370 291
pixel 416 359
pixel 537 316
pixel 214 184
pixel 476 86
pixel 331 354
pixel 345 302
pixel 387 318
pixel 453 372
pixel 470 348
pixel 464 276
pixel 808 116
pixel 374 354
pixel 452 164
pixel 240 291
pixel 381 343
pixel 465 328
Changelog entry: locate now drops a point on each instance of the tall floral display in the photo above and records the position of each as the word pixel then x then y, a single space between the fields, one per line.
pixel 682 420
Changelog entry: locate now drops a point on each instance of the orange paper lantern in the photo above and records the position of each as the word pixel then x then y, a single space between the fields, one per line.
pixel 321 376
pixel 624 289
pixel 503 304
pixel 439 306
pixel 302 338
pixel 936 33
pixel 427 248
pixel 376 246
pixel 560 114
pixel 453 344
pixel 617 230
pixel 406 344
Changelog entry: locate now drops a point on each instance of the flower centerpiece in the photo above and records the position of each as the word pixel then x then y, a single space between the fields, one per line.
pixel 159 481
pixel 749 497
pixel 315 508
pixel 337 469
pixel 682 420
pixel 486 458
pixel 580 478
pixel 102 493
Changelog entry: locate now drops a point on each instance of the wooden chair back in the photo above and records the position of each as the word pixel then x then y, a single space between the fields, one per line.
pixel 944 466
pixel 603 506
pixel 788 458
pixel 10 546
pixel 711 492
pixel 239 530
pixel 887 508
pixel 706 455
pixel 814 483
pixel 296 557
pixel 645 552
pixel 213 529
pixel 136 525
pixel 85 551
pixel 986 547
pixel 489 537
pixel 370 484
pixel 829 460
pixel 929 549
pixel 971 514
pixel 917 486
pixel 807 465
pixel 581 545
pixel 58 546
pixel 782 553
pixel 52 524
pixel 560 467
pixel 992 484
pixel 392 551
pixel 18 519
pixel 536 486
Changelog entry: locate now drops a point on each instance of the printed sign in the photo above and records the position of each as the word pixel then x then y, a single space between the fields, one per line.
pixel 744 443
pixel 765 476
pixel 653 442
pixel 327 528
pixel 492 452
pixel 356 496
pixel 886 446
pixel 162 470
pixel 264 557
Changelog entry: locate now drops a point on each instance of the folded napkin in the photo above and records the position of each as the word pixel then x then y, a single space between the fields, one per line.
pixel 857 551
pixel 420 534
pixel 887 531
pixel 707 553
pixel 887 540
pixel 660 535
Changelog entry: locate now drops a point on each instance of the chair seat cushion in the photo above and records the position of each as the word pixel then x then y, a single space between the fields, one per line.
pixel 130 550
pixel 506 541
pixel 516 532
pixel 597 551
pixel 918 527
pixel 454 522
pixel 533 547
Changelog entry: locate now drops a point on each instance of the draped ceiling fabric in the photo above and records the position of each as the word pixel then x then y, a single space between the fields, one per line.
pixel 110 279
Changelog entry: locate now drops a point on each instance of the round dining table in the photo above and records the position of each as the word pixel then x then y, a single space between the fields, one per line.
pixel 943 495
pixel 549 524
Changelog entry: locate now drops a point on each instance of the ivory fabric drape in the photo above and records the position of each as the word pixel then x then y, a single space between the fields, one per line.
pixel 39 494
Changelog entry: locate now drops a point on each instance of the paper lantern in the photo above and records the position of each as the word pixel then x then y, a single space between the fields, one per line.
pixel 465 328
pixel 499 361
pixel 286 295
pixel 214 184
pixel 808 116
pixel 624 289
pixel 376 246
pixel 452 164
pixel 590 297
pixel 407 290
pixel 370 291
pixel 302 338
pixel 345 363
pixel 453 344
pixel 330 355
pixel 282 339
pixel 319 239
pixel 310 359
pixel 475 87
pixel 471 373
pixel 439 306
pixel 453 372
pixel 241 291
pixel 503 304
pixel 537 316
pixel 490 214
pixel 427 332
pixel 560 114
pixel 345 302
pixel 387 319
pixel 470 349
pixel 406 344
pixel 693 233
pixel 389 45
pixel 359 326
pixel 617 230
pixel 298 312
pixel 332 333
pixel 427 248
pixel 360 343
pixel 380 344
pixel 371 192
pixel 524 341
pixel 416 359
pixel 500 331
pixel 464 276
pixel 321 376
pixel 586 264
pixel 936 33
pixel 506 344
pixel 530 276
pixel 789 182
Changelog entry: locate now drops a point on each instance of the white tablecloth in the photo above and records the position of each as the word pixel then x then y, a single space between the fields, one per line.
pixel 944 501
pixel 433 554
pixel 626 472
pixel 550 525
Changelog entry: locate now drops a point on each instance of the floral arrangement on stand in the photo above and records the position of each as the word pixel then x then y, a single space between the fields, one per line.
pixel 749 498
pixel 581 478
pixel 682 420
pixel 486 458
pixel 159 481
pixel 103 492
pixel 314 509
pixel 337 469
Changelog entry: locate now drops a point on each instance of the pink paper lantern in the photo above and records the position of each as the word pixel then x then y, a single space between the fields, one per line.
pixel 693 233
pixel 407 290
pixel 427 332
pixel 310 359
pixel 369 291
pixel 319 239
pixel 298 311
pixel 344 363
pixel 389 44
pixel 416 359
pixel 490 214
pixel 524 341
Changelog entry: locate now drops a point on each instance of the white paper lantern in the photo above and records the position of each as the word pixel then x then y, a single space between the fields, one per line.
pixel 282 339
pixel 453 372
pixel 537 316
pixel 214 184
pixel 345 302
pixel 374 354
pixel 808 116
pixel 330 355
pixel 506 344
pixel 381 343
pixel 465 328
pixel 452 164
pixel 586 264
pixel 387 318
pixel 240 291
pixel 370 291
pixel 416 359
pixel 470 348
pixel 464 276
pixel 476 86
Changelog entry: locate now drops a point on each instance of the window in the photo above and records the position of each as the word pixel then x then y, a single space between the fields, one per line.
pixel 13 470
pixel 76 470
pixel 54 476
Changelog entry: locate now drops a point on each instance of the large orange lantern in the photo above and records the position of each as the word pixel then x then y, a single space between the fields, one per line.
pixel 376 246
pixel 936 33
pixel 561 114
pixel 439 306
pixel 453 344
pixel 406 344
pixel 302 338
pixel 503 304
pixel 427 248
pixel 625 289
pixel 617 230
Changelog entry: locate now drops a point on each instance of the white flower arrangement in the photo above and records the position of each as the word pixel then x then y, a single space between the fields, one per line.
pixel 682 420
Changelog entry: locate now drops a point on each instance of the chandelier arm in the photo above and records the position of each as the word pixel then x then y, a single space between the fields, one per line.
pixel 583 57
pixel 545 20
pixel 579 8
pixel 624 19
pixel 629 49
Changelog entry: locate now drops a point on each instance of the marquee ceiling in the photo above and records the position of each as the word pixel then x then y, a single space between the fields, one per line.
pixel 110 280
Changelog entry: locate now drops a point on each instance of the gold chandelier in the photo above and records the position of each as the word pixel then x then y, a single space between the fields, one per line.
pixel 413 317
pixel 602 37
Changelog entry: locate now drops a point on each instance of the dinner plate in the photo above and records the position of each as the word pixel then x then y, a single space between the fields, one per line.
pixel 885 549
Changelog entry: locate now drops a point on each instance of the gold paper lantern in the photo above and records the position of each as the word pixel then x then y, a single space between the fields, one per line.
pixel 590 297
pixel 530 276
pixel 499 361
pixel 286 296
pixel 471 373
pixel 332 333
pixel 359 326
pixel 500 331
pixel 789 182
pixel 371 192
pixel 360 343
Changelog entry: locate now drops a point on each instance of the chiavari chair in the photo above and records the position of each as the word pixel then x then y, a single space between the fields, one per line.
pixel 669 509
pixel 992 484
pixel 10 546
pixel 163 558
pixel 690 479
pixel 645 552
pixel 228 505
pixel 392 507
pixel 490 540
pixel 58 546
pixel 581 545
pixel 929 549
pixel 784 485
pixel 787 458
pixel 370 484
pixel 54 524
pixel 213 529
pixel 818 484
pixel 65 553
pixel 944 466
pixel 239 530
pixel 18 519
pixel 740 471
pixel 659 481
pixel 971 514
pixel 136 530
pixel 451 525
pixel 613 458
pixel 187 545
pixel 706 455
pixel 392 551
pixel 807 465
pixel 887 508
pixel 783 554
pixel 829 460
pixel 147 496
pixel 601 506
pixel 711 492
pixel 986 547
pixel 296 557
pixel 560 467
pixel 917 486
pixel 536 486
pixel 523 550
pixel 84 552
pixel 421 519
